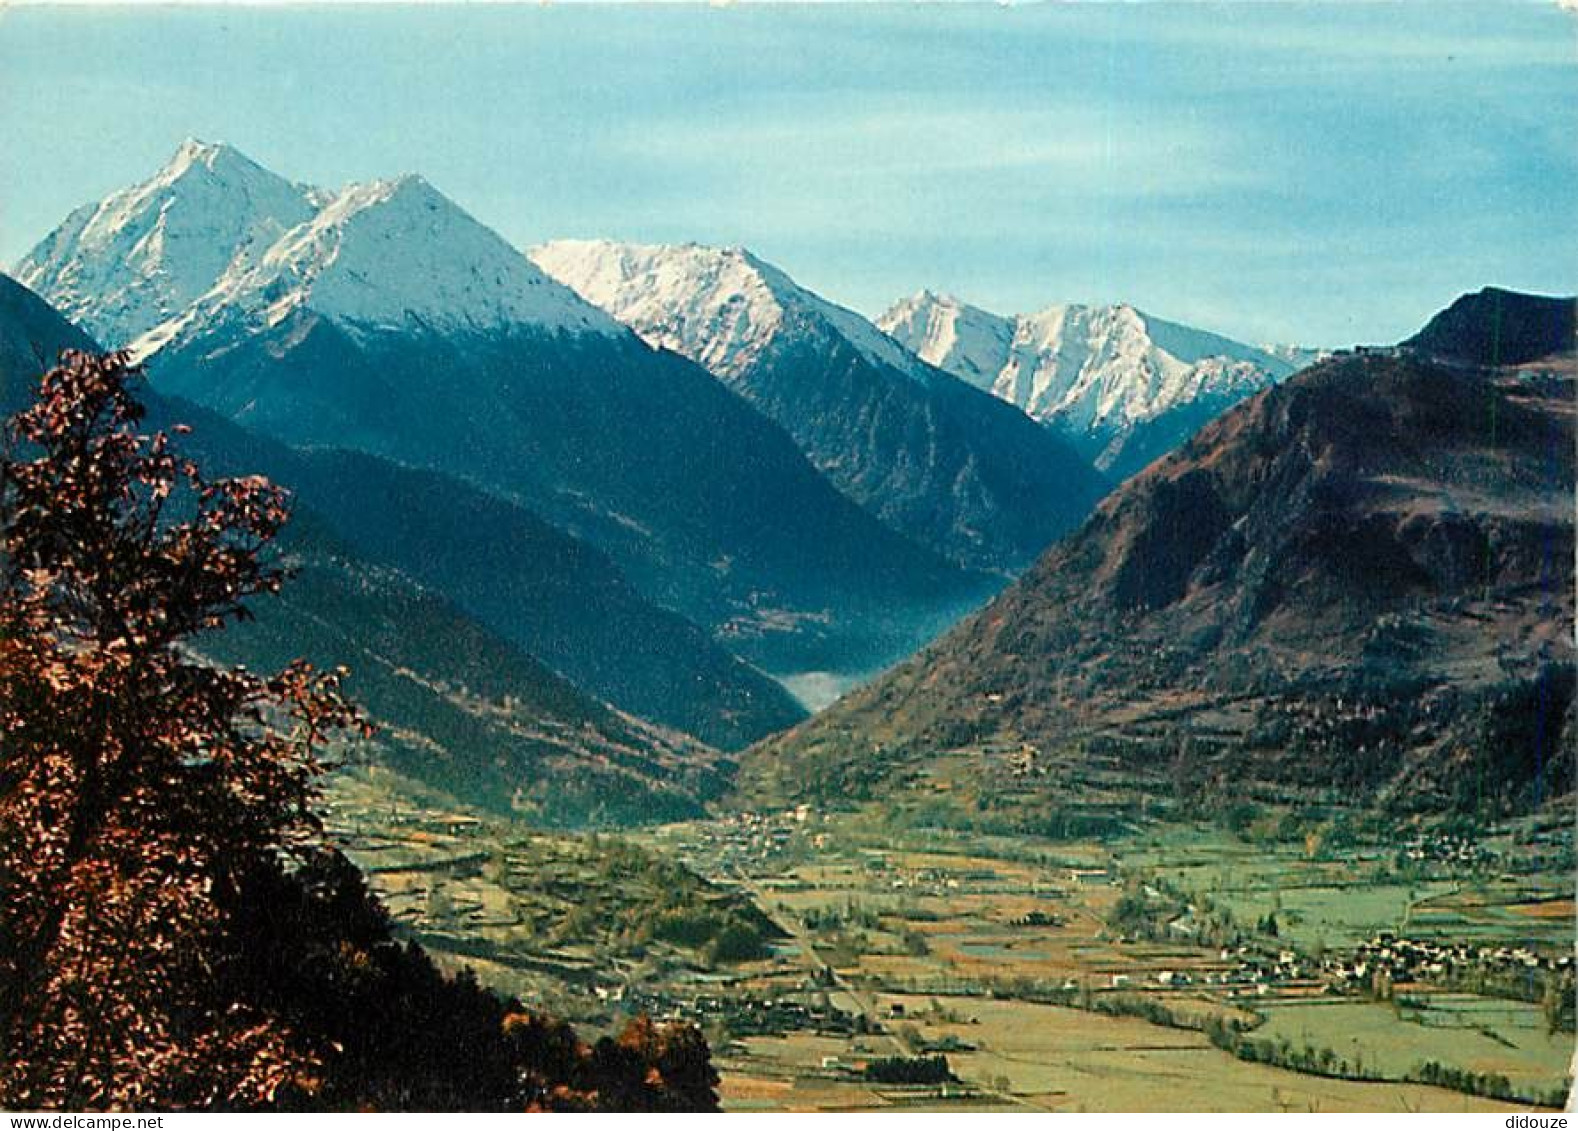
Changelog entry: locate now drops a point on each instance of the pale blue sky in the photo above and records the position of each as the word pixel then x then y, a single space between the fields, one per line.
pixel 1322 173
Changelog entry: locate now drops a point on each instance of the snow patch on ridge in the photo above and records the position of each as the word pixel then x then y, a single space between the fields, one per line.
pixel 721 307
pixel 1094 369
pixel 142 254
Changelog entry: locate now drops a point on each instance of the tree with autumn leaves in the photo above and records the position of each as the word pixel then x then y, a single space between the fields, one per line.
pixel 173 931
pixel 138 785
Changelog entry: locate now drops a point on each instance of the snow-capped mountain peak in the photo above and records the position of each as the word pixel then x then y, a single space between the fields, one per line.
pixel 389 255
pixel 396 251
pixel 142 254
pixel 216 157
pixel 1093 364
pixel 719 306
pixel 951 334
pixel 1098 372
pixel 213 235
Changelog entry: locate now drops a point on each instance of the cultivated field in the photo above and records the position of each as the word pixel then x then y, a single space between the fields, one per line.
pixel 1169 965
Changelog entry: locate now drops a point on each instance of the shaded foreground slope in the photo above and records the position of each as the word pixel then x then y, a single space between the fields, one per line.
pixel 178 934
pixel 459 707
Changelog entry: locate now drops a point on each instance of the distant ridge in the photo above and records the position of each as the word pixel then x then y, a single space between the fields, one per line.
pixel 929 455
pixel 1501 327
pixel 1123 386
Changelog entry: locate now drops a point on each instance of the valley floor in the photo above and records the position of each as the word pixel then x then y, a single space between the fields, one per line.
pixel 963 948
pixel 1166 966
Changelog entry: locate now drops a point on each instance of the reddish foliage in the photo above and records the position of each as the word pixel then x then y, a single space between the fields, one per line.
pixel 137 784
pixel 172 932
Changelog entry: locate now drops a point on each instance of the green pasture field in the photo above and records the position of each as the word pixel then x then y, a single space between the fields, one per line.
pixel 1481 1035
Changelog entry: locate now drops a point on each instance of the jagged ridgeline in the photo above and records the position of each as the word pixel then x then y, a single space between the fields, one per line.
pixel 1123 386
pixel 1357 583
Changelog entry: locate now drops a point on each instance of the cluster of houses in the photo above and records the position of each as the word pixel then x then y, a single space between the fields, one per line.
pixel 1384 957
pixel 1372 351
pixel 1415 960
pixel 1455 850
pixel 1262 969
pixel 936 881
pixel 1252 970
pixel 1024 762
pixel 748 841
pixel 746 1016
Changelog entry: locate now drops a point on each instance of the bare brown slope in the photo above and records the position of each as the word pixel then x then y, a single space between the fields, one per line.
pixel 1360 580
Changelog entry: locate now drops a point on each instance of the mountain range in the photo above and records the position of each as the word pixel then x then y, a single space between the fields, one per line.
pixel 578 517
pixel 161 261
pixel 1123 386
pixel 1359 582
pixel 391 323
pixel 457 706
pixel 930 456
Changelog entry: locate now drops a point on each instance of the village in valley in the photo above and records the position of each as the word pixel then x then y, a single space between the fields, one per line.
pixel 843 959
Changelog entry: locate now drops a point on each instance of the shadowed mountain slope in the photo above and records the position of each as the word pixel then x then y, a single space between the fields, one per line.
pixel 935 459
pixel 1358 581
pixel 1500 327
pixel 458 706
